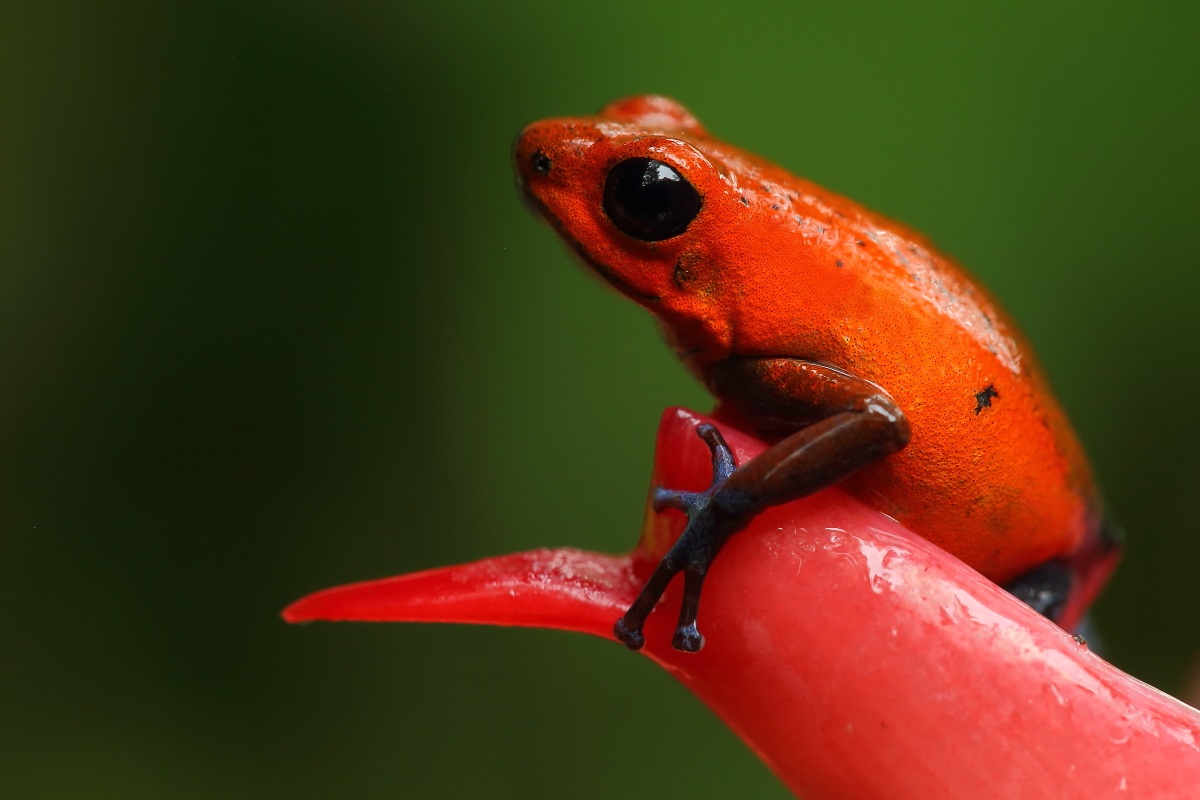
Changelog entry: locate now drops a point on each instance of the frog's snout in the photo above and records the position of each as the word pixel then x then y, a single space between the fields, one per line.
pixel 521 167
pixel 529 156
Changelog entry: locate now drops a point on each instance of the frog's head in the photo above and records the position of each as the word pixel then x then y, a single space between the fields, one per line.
pixel 648 201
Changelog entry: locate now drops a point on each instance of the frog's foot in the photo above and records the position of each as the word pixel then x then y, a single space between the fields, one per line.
pixel 707 529
pixel 1046 588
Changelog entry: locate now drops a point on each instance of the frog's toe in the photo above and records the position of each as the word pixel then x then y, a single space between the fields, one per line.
pixel 629 634
pixel 722 457
pixel 672 498
pixel 688 638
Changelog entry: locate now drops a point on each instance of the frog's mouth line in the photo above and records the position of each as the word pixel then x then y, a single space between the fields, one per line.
pixel 609 277
pixel 539 210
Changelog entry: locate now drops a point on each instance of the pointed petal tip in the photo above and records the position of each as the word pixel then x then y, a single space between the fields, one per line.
pixel 560 588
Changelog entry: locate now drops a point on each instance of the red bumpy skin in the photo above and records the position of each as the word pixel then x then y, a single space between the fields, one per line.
pixel 772 266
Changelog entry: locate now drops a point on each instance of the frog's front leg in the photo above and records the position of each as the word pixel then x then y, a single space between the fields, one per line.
pixel 846 422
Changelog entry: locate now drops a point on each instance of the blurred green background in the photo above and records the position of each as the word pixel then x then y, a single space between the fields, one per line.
pixel 272 319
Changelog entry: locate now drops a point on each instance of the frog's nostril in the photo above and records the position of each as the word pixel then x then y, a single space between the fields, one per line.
pixel 540 162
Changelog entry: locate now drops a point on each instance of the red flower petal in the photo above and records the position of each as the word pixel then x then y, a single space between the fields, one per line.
pixel 857 659
pixel 565 589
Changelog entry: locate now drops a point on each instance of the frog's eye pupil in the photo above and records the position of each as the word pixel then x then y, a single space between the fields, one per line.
pixel 649 200
pixel 540 162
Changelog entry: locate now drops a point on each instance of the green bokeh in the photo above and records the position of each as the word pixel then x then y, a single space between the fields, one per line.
pixel 272 319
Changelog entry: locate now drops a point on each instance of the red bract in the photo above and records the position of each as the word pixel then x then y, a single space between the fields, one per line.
pixel 854 657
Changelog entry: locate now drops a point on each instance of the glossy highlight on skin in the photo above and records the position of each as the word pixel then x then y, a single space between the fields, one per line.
pixel 775 267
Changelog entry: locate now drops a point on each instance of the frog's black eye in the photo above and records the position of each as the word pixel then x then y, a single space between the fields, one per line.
pixel 649 200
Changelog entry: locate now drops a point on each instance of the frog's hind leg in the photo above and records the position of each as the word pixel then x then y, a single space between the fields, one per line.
pixel 1046 588
pixel 1061 589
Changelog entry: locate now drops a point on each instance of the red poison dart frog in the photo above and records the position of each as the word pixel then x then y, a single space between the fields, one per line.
pixel 868 358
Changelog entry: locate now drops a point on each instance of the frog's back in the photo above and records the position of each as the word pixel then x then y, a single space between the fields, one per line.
pixel 993 473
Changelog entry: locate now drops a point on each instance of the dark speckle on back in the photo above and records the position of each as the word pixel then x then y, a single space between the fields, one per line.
pixel 984 397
